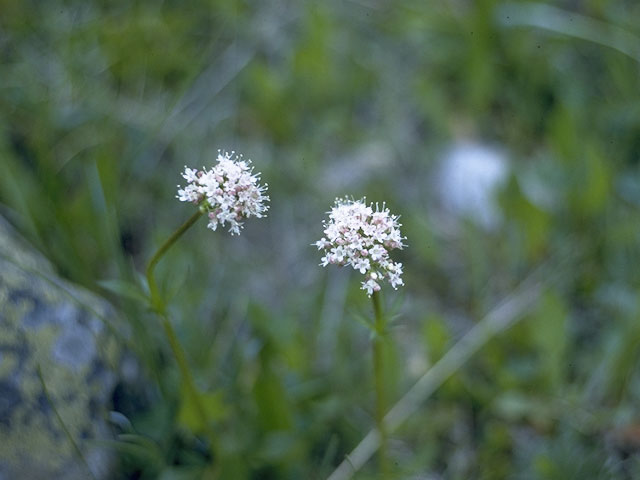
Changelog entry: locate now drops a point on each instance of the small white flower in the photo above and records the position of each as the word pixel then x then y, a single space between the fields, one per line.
pixel 362 264
pixel 228 193
pixel 190 174
pixel 370 286
pixel 359 236
pixel 188 194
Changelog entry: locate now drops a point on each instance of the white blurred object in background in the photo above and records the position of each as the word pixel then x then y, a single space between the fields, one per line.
pixel 469 176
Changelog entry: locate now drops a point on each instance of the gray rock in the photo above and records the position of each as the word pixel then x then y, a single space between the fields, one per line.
pixel 51 327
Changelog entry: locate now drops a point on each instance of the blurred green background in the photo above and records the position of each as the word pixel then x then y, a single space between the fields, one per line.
pixel 102 103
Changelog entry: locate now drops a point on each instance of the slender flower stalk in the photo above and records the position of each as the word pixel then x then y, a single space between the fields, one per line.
pixel 380 384
pixel 156 299
pixel 228 193
pixel 356 235
pixel 157 303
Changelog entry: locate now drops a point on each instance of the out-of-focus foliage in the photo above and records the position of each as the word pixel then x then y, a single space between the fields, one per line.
pixel 103 102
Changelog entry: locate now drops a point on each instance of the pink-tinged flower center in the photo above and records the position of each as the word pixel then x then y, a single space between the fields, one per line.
pixel 359 236
pixel 229 192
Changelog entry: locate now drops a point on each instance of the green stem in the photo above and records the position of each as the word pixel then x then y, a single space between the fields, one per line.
pixel 378 372
pixel 178 352
pixel 189 382
pixel 156 300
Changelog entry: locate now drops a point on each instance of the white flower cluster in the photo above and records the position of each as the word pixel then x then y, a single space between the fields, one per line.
pixel 229 192
pixel 357 235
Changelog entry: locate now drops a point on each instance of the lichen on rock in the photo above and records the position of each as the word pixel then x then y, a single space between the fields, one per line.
pixel 50 326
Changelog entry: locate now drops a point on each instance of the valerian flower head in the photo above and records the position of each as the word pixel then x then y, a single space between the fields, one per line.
pixel 228 193
pixel 359 236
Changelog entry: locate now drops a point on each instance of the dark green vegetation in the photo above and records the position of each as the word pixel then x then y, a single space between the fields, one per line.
pixel 103 102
